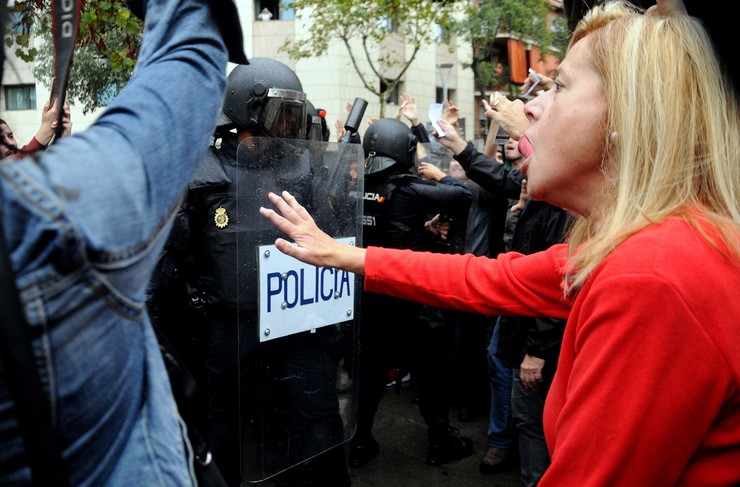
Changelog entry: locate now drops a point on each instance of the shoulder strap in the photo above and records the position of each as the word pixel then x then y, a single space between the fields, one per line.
pixel 65 27
pixel 32 405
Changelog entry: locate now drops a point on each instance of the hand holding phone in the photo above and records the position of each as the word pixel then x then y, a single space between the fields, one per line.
pixel 533 76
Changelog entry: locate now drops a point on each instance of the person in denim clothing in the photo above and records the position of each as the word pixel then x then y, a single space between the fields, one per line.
pixel 84 223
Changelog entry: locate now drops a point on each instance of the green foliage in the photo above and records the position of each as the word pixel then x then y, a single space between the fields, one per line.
pixel 363 26
pixel 105 54
pixel 93 80
pixel 487 74
pixel 523 19
pixel 561 35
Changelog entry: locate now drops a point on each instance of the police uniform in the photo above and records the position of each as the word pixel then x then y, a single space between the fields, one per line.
pixel 275 404
pixel 396 206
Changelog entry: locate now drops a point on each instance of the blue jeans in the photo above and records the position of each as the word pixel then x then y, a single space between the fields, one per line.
pixel 527 406
pixel 85 223
pixel 501 423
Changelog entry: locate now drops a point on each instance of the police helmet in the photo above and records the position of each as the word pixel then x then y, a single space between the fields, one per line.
pixel 313 123
pixel 388 142
pixel 265 97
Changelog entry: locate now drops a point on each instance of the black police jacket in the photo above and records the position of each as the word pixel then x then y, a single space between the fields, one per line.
pixel 223 225
pixel 396 206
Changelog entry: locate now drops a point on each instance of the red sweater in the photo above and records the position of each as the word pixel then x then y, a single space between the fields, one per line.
pixel 29 149
pixel 647 391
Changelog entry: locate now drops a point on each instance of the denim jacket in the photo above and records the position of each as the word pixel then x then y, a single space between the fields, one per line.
pixel 84 223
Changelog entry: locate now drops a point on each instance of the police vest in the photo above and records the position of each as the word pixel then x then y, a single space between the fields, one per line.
pixel 228 228
pixel 376 210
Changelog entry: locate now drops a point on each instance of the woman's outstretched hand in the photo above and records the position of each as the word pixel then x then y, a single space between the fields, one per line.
pixel 312 245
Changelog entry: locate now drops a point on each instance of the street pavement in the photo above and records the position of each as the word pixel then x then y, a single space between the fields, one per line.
pixel 402 435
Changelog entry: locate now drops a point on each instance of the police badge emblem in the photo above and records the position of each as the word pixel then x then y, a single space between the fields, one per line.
pixel 221 218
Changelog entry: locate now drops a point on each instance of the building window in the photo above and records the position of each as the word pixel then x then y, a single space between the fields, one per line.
pixel 20 97
pixel 286 11
pixel 441 95
pixel 15 22
pixel 389 24
pixel 391 97
pixel 280 10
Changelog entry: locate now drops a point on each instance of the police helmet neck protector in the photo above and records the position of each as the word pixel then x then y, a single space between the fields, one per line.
pixel 265 97
pixel 388 143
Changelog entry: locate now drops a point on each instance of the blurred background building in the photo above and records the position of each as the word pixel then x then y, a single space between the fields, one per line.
pixel 439 68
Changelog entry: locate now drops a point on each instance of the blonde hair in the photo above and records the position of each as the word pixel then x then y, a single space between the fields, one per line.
pixel 672 133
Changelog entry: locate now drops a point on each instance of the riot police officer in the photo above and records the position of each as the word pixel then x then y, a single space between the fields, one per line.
pixel 396 206
pixel 259 408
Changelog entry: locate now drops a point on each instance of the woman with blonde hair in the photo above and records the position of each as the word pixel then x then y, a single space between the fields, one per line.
pixel 639 139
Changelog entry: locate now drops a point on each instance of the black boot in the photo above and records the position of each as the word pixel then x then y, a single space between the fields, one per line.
pixel 446 445
pixel 360 452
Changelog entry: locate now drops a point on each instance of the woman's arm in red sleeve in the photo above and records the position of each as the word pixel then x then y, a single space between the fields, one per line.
pixel 512 284
pixel 33 146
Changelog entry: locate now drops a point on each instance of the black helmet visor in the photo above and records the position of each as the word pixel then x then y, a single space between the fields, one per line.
pixel 284 115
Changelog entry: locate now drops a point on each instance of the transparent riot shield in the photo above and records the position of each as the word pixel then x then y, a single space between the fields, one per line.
pixel 434 153
pixel 297 323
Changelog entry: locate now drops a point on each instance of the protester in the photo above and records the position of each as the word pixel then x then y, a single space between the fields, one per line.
pixel 395 208
pixel 84 223
pixel 639 140
pixel 44 135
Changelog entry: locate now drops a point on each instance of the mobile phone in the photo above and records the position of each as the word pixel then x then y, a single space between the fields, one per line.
pixel 502 138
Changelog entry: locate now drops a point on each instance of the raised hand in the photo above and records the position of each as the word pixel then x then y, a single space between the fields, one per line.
pixel 450 112
pixel 409 109
pixel 509 114
pixel 340 129
pixel 430 171
pixel 451 139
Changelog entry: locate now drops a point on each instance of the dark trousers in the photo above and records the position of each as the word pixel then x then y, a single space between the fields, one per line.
pixel 435 346
pixel 527 407
pixel 384 343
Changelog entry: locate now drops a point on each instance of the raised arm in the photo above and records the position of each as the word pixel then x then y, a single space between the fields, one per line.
pixel 144 148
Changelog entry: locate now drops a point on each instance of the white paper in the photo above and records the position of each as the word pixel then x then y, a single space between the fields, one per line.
pixel 435 113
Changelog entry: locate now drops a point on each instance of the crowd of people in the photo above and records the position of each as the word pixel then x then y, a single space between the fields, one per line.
pixel 580 277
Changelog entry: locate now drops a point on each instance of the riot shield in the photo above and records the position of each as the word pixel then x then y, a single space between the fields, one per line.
pixel 297 323
pixel 433 153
